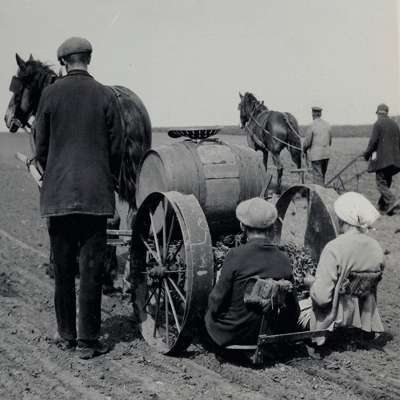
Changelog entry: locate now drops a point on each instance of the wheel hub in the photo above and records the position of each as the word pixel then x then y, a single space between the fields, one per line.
pixel 157 272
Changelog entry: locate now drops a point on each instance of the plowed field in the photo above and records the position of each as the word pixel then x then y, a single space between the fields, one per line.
pixel 31 367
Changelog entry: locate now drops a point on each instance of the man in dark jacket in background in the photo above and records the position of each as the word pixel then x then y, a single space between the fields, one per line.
pixel 228 320
pixel 383 153
pixel 79 145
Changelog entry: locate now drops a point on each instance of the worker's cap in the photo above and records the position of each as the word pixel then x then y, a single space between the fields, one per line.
pixel 356 210
pixel 316 109
pixel 382 107
pixel 73 45
pixel 256 213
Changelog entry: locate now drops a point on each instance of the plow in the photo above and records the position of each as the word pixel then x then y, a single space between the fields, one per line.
pixel 338 182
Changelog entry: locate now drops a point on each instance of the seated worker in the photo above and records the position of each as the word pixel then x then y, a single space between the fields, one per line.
pixel 343 292
pixel 228 319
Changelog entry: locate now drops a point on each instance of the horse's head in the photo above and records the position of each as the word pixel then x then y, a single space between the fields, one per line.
pixel 27 86
pixel 248 104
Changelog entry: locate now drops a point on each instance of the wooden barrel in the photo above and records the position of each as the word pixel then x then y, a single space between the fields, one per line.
pixel 219 175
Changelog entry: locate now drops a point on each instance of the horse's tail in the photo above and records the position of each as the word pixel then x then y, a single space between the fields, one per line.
pixel 294 141
pixel 137 140
pixel 133 153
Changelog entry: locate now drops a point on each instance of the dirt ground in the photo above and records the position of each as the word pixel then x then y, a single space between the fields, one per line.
pixel 31 367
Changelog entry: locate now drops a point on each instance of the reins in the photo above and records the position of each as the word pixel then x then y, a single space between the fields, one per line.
pixel 257 140
pixel 290 125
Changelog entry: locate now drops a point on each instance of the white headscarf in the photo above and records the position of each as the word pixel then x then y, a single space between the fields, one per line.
pixel 356 210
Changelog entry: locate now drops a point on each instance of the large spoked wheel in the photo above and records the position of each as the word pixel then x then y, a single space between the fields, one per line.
pixel 306 217
pixel 171 269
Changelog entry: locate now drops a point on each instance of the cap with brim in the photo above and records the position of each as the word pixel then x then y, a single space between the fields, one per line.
pixel 382 107
pixel 256 213
pixel 74 45
pixel 317 109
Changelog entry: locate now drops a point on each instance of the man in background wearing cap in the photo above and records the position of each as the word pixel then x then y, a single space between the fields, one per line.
pixel 228 320
pixel 79 145
pixel 383 153
pixel 317 142
pixel 343 292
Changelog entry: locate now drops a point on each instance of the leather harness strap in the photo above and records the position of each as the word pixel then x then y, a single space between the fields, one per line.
pixel 254 136
pixel 290 125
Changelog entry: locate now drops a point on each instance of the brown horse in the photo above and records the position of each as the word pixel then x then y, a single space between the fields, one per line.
pixel 33 77
pixel 270 132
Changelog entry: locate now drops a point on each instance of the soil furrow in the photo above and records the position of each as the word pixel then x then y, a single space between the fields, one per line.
pixel 33 368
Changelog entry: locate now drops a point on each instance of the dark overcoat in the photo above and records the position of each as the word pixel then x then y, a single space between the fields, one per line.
pixel 385 141
pixel 228 320
pixel 79 144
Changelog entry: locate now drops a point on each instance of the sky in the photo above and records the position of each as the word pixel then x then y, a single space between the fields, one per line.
pixel 189 59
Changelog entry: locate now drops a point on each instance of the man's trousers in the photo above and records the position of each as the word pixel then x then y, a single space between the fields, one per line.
pixel 85 235
pixel 383 183
pixel 319 168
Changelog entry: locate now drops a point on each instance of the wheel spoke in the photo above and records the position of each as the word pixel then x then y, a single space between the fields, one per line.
pixel 155 237
pixel 177 250
pixel 170 231
pixel 178 271
pixel 166 287
pixel 164 230
pixel 166 318
pixel 149 298
pixel 155 256
pixel 177 290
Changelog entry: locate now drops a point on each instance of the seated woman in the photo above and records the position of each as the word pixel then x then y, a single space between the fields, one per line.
pixel 343 292
pixel 228 319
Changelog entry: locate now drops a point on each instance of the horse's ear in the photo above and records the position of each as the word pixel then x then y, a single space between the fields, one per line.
pixel 240 94
pixel 20 61
pixel 31 58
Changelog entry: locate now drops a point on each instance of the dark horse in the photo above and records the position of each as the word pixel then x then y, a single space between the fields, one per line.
pixel 33 76
pixel 270 132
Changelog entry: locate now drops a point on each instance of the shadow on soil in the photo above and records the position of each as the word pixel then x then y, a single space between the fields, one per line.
pixel 296 353
pixel 120 328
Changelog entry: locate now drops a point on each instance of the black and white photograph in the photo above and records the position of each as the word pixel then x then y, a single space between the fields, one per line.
pixel 200 200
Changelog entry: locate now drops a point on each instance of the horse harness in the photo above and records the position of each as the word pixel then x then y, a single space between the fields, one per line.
pixel 16 87
pixel 264 117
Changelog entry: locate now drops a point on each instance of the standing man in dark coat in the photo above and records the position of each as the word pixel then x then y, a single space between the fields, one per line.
pixel 79 145
pixel 317 143
pixel 383 153
pixel 228 320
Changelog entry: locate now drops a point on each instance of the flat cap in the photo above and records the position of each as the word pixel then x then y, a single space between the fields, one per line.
pixel 256 213
pixel 73 45
pixel 316 109
pixel 383 107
